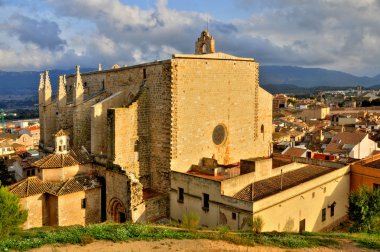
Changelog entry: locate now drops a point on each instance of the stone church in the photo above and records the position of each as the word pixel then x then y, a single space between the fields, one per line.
pixel 140 123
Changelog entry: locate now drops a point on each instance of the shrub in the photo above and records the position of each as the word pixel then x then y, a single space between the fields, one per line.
pixel 86 239
pixel 190 220
pixel 11 215
pixel 222 231
pixel 257 224
pixel 364 209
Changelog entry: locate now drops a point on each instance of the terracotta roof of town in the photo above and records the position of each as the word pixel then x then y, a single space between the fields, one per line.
pixel 4 144
pixel 344 138
pixel 295 152
pixel 33 127
pixel 56 160
pixel 9 136
pixel 15 145
pixel 268 187
pixel 33 185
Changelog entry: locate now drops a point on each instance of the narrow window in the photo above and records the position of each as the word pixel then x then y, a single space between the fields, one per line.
pixel 332 210
pixel 144 73
pixel 323 214
pixel 83 203
pixel 313 195
pixel 180 195
pixel 33 172
pixel 206 204
pixel 262 128
pixel 60 148
pixel 234 216
pixel 302 226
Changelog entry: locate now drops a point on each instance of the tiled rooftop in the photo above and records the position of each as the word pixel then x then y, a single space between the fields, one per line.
pixel 271 186
pixel 63 160
pixel 33 185
pixel 373 164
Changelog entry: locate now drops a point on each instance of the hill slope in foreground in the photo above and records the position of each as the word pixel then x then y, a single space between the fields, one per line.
pixel 132 237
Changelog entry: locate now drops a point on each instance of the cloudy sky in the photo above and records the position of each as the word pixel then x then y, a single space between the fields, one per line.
pixel 46 34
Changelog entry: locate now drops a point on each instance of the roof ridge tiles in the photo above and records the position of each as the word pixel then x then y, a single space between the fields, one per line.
pixel 64 184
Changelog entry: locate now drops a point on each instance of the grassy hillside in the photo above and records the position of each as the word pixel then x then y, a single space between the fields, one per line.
pixel 38 237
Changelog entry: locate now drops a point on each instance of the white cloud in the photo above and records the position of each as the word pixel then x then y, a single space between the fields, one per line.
pixel 336 34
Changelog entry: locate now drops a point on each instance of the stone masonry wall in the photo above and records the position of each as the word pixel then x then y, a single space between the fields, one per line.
pixel 211 90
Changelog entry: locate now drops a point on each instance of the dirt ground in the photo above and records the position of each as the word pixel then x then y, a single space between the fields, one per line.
pixel 183 245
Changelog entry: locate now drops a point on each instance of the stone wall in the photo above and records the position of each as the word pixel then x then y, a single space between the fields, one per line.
pixel 211 90
pixel 70 211
pixel 34 205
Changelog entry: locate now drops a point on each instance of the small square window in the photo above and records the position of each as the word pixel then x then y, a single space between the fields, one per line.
pixel 84 203
pixel 234 216
pixel 323 214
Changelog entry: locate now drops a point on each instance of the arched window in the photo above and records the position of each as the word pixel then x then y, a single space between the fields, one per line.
pixel 262 128
pixel 204 48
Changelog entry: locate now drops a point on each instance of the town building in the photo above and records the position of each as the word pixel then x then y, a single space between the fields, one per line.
pixel 280 101
pixel 63 191
pixel 147 120
pixel 170 137
pixel 366 173
pixel 306 195
pixel 351 144
pixel 314 113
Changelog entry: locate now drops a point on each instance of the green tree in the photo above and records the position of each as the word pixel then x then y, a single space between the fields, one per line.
pixel 11 214
pixel 364 209
pixel 6 177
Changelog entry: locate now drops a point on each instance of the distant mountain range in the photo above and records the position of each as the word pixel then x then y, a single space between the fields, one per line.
pixel 312 77
pixel 26 83
pixel 275 79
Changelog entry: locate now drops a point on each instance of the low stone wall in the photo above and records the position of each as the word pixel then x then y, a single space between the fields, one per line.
pixel 156 208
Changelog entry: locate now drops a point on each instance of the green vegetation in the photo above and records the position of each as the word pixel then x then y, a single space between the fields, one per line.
pixel 11 216
pixel 124 232
pixel 6 178
pixel 38 237
pixel 364 210
pixel 366 240
pixel 190 220
pixel 257 224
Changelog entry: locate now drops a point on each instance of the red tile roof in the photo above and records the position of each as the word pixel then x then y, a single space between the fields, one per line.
pixel 62 160
pixel 344 138
pixel 295 152
pixel 268 187
pixel 33 185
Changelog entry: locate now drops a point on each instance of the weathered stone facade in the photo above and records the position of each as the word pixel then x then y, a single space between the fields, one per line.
pixel 147 120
